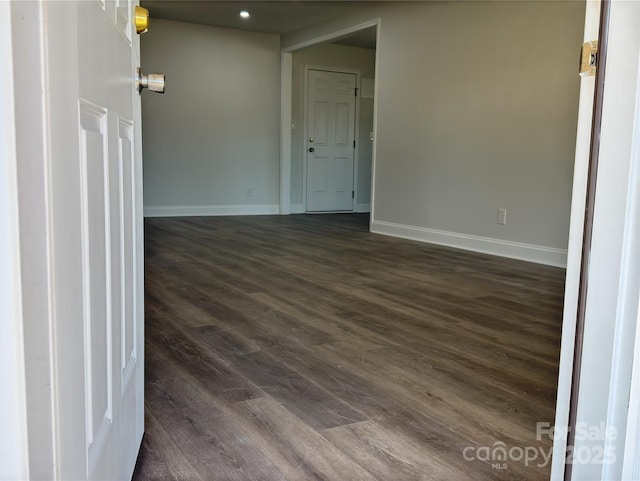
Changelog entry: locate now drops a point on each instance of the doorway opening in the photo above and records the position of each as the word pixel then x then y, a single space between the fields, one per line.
pixel 327 144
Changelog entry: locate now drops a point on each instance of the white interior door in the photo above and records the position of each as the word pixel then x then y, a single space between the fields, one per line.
pixel 331 106
pixel 96 237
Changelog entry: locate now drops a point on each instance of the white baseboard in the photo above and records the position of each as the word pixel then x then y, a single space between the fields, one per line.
pixel 210 210
pixel 297 209
pixel 515 250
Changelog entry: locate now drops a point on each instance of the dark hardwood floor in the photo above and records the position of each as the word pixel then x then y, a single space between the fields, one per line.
pixel 305 348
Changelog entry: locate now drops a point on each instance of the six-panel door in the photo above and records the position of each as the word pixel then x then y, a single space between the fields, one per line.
pixel 330 146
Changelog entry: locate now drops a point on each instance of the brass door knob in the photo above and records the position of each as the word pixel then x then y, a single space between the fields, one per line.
pixel 154 81
pixel 141 18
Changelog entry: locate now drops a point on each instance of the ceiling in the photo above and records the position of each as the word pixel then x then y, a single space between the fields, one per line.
pixel 362 38
pixel 279 17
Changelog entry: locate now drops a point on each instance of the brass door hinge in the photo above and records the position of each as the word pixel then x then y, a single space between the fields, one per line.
pixel 589 59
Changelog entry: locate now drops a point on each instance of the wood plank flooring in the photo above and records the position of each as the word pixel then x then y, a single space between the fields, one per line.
pixel 306 348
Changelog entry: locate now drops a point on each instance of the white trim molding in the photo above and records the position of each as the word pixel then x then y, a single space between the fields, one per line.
pixel 210 210
pixel 631 458
pixel 286 98
pixel 286 72
pixel 332 35
pixel 514 250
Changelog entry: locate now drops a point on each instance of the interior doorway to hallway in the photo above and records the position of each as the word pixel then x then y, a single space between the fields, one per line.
pixel 331 122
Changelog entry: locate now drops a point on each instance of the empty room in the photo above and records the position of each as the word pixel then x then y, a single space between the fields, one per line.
pixel 323 344
pixel 320 240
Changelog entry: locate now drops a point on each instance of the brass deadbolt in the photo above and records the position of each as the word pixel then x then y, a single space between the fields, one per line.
pixel 141 19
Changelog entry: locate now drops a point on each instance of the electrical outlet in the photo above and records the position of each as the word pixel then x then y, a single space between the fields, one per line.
pixel 502 216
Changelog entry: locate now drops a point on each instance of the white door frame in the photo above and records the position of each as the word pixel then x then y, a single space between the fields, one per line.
pixel 611 310
pixel 624 392
pixel 305 150
pixel 576 226
pixel 631 459
pixel 286 94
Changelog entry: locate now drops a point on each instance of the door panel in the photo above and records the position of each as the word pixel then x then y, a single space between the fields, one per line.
pixel 320 85
pixel 330 155
pixel 321 123
pixel 342 125
pixel 127 259
pixel 123 18
pixel 97 329
pixel 344 87
pixel 96 213
pixel 319 175
pixel 342 166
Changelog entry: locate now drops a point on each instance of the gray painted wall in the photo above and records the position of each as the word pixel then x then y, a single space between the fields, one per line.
pixel 477 110
pixel 215 132
pixel 336 56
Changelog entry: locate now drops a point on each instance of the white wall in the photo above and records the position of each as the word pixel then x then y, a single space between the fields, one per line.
pixel 476 110
pixel 214 134
pixel 336 56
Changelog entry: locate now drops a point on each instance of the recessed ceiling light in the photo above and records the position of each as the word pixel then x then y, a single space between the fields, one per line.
pixel 245 14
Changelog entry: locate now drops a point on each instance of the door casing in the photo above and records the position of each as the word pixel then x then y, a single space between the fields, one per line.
pixel 286 80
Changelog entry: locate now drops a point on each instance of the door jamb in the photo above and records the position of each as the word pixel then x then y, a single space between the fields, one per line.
pixel 305 156
pixel 286 73
pixel 587 235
